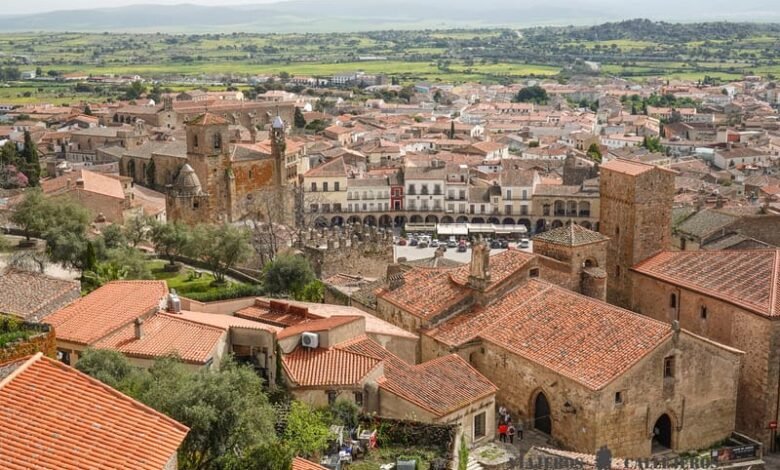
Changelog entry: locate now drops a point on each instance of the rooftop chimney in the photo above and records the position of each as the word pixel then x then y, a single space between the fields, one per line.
pixel 395 276
pixel 139 330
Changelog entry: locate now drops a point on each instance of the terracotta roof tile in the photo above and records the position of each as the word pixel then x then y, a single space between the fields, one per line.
pixel 502 266
pixel 32 295
pixel 573 235
pixel 277 313
pixel 586 340
pixel 426 292
pixel 207 119
pixel 303 464
pixel 108 308
pixel 631 167
pixel 440 386
pixel 331 169
pixel 747 278
pixel 164 335
pixel 56 418
pixel 225 321
pixel 310 367
pixel 93 183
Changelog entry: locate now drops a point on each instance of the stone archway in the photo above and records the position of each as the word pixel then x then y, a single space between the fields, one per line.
pixel 525 222
pixel 542 414
pixel 416 219
pixel 447 220
pixel 477 220
pixel 354 220
pixel 337 221
pixel 431 219
pixel 587 225
pixel 541 226
pixel 494 220
pixel 320 222
pixel 508 221
pixel 399 221
pixel 370 220
pixel 462 219
pixel 131 169
pixel 556 224
pixel 386 221
pixel 662 433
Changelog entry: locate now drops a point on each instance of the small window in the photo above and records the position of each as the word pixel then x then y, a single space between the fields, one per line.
pixel 217 141
pixel 703 312
pixel 359 398
pixel 336 186
pixel 534 272
pixel 673 301
pixel 618 398
pixel 617 230
pixel 332 397
pixel 617 271
pixel 314 187
pixel 325 186
pixel 313 208
pixel 669 367
pixel 479 426
pixel 195 141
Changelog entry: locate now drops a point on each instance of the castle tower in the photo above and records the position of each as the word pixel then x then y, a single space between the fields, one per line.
pixel 636 213
pixel 278 151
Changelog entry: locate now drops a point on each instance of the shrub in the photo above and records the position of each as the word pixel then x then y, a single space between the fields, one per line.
pixel 233 292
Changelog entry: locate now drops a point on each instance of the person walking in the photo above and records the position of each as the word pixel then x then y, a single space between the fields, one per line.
pixel 502 429
pixel 511 432
pixel 519 430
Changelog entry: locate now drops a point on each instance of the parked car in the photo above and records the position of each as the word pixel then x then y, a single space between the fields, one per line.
pixel 524 243
pixel 462 246
pixel 412 242
pixel 504 243
pixel 434 243
pixel 495 244
pixel 402 242
pixel 451 243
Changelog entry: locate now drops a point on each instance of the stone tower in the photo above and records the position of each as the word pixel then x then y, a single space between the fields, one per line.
pixel 278 151
pixel 636 213
pixel 582 254
pixel 209 159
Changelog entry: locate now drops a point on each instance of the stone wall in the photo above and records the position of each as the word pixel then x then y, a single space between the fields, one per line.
pixel 757 336
pixel 361 250
pixel 42 340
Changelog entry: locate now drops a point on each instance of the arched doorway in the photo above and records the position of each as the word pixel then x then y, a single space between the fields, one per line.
pixel 354 220
pixel 399 221
pixel 557 224
pixel 370 220
pixel 542 419
pixel 416 219
pixel 540 226
pixel 385 221
pixel 477 220
pixel 587 225
pixel 494 220
pixel 463 219
pixel 508 221
pixel 337 221
pixel 431 219
pixel 526 223
pixel 321 222
pixel 662 432
pixel 447 220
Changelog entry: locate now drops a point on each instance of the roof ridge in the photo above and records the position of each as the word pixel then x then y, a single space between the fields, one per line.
pixel 115 392
pixel 30 360
pixel 173 316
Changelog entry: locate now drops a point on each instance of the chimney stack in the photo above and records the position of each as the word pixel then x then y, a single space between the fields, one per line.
pixel 395 276
pixel 174 303
pixel 139 330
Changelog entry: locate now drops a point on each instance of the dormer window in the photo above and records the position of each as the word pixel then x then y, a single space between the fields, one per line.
pixel 217 141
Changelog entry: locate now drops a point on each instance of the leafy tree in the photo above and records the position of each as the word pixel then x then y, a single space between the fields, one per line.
pixel 307 432
pixel 533 94
pixel 114 370
pixel 114 236
pixel 87 110
pixel 594 153
pixel 137 229
pixel 270 456
pixel 316 126
pixel 171 240
pixel 311 292
pixel 135 90
pixel 299 119
pixel 32 164
pixel 652 144
pixel 463 454
pixel 32 214
pixel 9 155
pixel 221 247
pixel 345 413
pixel 287 275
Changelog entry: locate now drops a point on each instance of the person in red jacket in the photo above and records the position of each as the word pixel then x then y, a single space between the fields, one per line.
pixel 502 430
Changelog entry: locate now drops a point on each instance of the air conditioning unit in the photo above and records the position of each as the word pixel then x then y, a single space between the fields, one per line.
pixel 310 340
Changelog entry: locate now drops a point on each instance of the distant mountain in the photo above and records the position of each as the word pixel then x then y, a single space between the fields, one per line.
pixel 362 15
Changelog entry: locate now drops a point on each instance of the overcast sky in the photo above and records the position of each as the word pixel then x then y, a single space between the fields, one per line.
pixel 14 7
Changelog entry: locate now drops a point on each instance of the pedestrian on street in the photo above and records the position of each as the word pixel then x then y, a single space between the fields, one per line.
pixel 511 432
pixel 519 430
pixel 502 430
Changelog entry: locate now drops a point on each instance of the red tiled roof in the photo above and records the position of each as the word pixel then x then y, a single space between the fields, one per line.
pixel 207 119
pixel 317 325
pixel 501 267
pixel 310 367
pixel 276 313
pixel 106 309
pixel 426 292
pixel 586 340
pixel 331 169
pixel 303 464
pixel 440 386
pixel 54 417
pixel 164 335
pixel 747 278
pixel 93 183
pixel 631 167
pixel 225 321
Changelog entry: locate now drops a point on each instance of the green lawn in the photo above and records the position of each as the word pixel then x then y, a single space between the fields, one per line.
pixel 382 456
pixel 184 281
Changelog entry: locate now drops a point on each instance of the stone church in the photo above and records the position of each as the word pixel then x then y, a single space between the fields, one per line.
pixel 216 186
